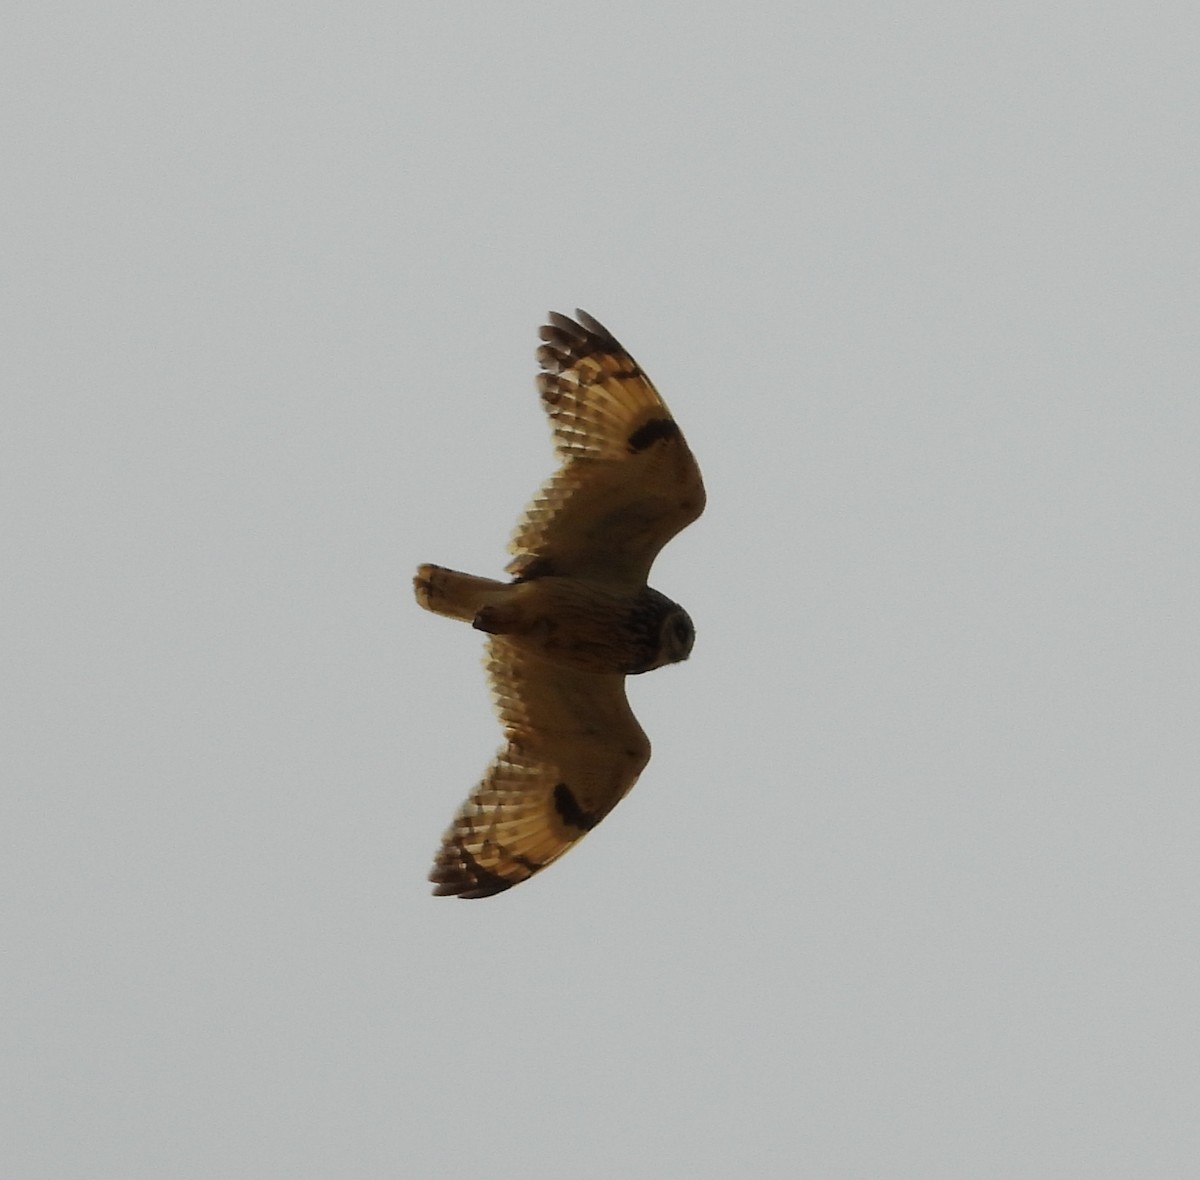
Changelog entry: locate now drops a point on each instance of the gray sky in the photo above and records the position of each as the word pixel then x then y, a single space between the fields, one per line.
pixel 910 886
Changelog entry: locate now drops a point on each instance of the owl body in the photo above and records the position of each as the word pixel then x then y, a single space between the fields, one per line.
pixel 576 618
pixel 576 622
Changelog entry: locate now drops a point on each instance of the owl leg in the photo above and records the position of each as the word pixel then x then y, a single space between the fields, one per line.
pixel 518 611
pixel 501 619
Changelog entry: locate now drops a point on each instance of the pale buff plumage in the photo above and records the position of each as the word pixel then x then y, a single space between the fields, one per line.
pixel 577 616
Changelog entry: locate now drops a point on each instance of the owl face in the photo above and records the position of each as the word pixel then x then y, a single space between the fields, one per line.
pixel 676 638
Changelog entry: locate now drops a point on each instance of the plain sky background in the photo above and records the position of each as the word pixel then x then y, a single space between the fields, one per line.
pixel 911 887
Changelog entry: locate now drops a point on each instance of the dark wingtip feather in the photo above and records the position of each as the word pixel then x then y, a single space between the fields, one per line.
pixel 564 323
pixel 456 873
pixel 593 325
pixel 567 341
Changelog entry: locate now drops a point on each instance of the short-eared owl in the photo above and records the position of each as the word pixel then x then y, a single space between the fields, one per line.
pixel 577 617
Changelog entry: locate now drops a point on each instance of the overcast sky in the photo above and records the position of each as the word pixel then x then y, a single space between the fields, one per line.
pixel 911 886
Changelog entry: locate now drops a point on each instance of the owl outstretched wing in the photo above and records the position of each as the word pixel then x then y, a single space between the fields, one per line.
pixel 628 482
pixel 573 749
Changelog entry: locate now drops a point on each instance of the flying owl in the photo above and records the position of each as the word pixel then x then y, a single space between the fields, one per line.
pixel 576 618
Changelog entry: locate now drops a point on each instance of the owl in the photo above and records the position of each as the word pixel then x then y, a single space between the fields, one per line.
pixel 576 618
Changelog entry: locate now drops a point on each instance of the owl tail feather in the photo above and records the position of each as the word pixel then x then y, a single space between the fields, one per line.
pixel 458 595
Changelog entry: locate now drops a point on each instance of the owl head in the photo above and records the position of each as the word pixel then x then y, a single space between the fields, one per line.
pixel 661 632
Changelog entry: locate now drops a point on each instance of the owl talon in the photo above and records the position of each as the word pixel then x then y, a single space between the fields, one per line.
pixel 486 620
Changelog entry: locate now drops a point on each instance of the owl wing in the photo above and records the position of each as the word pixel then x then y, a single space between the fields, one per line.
pixel 628 482
pixel 573 749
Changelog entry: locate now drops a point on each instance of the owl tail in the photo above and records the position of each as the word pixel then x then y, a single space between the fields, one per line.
pixel 461 596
